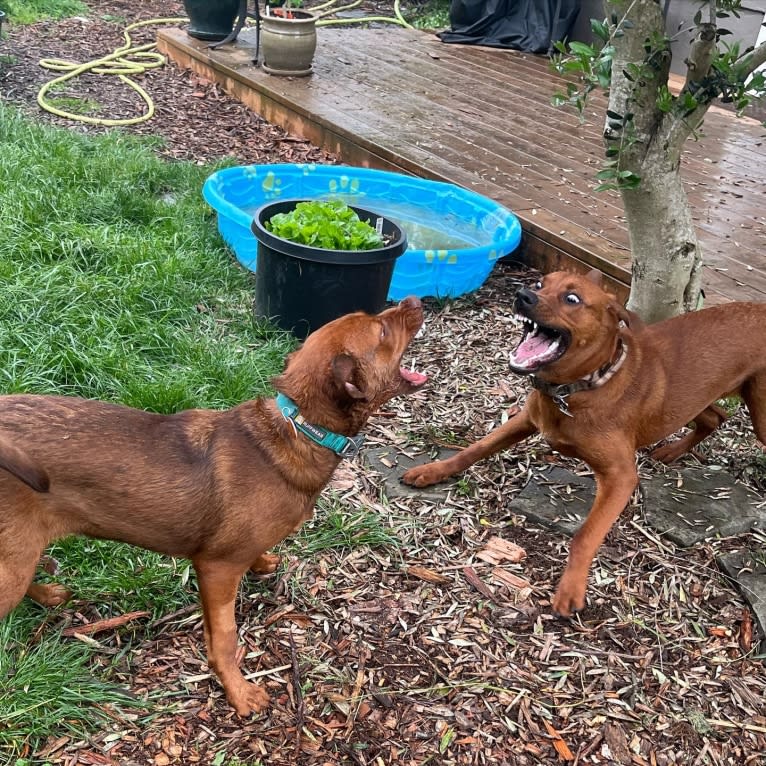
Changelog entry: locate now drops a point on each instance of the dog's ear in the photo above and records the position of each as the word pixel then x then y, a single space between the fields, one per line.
pixel 631 320
pixel 595 276
pixel 344 370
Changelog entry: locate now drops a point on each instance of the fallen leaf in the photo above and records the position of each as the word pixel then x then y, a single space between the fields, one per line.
pixel 478 583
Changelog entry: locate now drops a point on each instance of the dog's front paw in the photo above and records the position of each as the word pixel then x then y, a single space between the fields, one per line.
pixel 248 698
pixel 425 475
pixel 570 597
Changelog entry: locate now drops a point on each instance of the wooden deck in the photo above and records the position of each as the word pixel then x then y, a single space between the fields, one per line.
pixel 482 118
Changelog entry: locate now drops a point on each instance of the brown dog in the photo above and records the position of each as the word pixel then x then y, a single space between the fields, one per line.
pixel 605 385
pixel 220 488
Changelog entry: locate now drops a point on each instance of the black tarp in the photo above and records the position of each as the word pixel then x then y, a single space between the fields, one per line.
pixel 525 25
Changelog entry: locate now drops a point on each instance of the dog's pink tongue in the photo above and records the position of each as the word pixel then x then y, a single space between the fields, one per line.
pixel 413 376
pixel 531 349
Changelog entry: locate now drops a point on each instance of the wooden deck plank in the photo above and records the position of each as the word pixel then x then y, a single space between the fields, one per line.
pixel 482 118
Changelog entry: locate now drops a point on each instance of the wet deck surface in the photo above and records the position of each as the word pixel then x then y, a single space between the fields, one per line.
pixel 482 118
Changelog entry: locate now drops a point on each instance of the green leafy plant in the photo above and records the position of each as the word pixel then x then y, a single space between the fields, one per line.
pixel 327 224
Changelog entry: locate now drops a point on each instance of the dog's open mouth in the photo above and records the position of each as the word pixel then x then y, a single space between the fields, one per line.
pixel 539 346
pixel 412 379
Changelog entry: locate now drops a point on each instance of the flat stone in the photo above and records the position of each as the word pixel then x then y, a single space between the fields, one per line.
pixel 699 503
pixel 556 498
pixel 749 572
pixel 391 463
pixel 687 506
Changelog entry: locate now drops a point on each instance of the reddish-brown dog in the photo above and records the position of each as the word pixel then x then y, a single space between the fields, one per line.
pixel 605 385
pixel 220 488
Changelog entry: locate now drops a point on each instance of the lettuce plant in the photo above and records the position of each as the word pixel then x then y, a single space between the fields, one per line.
pixel 327 224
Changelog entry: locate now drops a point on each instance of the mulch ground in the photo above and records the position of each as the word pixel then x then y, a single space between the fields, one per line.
pixel 420 650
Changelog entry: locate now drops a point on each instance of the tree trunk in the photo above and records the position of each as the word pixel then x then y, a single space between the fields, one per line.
pixel 666 258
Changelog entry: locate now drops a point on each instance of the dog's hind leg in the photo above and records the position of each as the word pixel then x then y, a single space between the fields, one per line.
pixel 704 425
pixel 754 394
pixel 17 568
pixel 49 594
pixel 218 584
pixel 266 563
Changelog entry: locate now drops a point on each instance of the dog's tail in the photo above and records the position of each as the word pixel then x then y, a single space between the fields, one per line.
pixel 18 463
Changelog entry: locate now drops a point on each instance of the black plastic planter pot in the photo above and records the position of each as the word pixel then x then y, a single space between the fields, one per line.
pixel 300 288
pixel 211 19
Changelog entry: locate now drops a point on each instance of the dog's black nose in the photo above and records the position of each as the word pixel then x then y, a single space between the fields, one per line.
pixel 525 298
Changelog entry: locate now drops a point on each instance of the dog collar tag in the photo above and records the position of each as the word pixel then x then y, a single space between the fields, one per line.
pixel 561 403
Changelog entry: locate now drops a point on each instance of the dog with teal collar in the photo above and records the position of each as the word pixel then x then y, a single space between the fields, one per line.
pixel 218 487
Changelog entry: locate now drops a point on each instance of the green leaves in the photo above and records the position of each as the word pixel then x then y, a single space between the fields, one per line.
pixel 616 179
pixel 328 224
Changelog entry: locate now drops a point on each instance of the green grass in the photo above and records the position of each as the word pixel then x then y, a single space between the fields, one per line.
pixel 29 11
pixel 337 527
pixel 74 104
pixel 430 14
pixel 114 284
pixel 47 686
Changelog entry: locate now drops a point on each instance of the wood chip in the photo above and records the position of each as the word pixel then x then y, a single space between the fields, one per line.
pixel 423 573
pixel 510 579
pixel 499 551
pixel 564 753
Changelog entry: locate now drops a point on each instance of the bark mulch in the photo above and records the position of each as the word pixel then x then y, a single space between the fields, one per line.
pixel 420 636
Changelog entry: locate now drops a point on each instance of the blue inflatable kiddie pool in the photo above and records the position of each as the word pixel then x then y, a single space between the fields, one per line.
pixel 455 236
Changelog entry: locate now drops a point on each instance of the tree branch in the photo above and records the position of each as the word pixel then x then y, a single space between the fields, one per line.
pixel 701 55
pixel 749 62
pixel 679 127
pixel 637 95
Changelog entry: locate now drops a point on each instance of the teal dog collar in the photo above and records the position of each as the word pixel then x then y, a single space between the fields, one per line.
pixel 344 446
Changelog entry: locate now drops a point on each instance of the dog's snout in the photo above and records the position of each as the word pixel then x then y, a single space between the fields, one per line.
pixel 411 302
pixel 526 298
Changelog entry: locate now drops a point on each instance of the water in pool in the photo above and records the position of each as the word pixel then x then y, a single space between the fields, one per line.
pixel 425 229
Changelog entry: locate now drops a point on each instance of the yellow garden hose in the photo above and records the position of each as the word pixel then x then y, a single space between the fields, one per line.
pixel 130 60
pixel 399 19
pixel 125 62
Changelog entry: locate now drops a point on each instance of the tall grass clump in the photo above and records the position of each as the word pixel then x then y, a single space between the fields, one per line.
pixel 114 285
pixel 29 11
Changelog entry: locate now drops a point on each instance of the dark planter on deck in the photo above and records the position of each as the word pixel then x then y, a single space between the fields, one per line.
pixel 211 19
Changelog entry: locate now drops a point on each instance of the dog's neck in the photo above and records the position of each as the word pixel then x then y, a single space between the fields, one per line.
pixel 560 392
pixel 343 446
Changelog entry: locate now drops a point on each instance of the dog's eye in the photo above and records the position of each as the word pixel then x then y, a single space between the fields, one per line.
pixel 572 298
pixel 538 285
